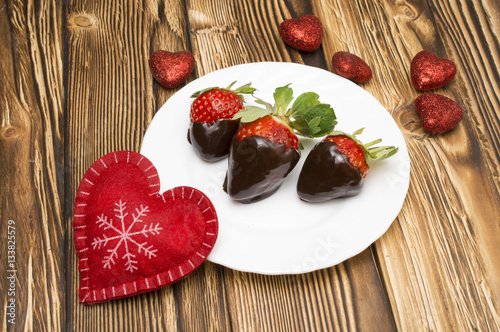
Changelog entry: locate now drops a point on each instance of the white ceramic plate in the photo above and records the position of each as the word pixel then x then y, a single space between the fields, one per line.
pixel 282 234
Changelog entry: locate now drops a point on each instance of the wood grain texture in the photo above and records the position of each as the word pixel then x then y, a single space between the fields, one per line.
pixel 31 150
pixel 224 41
pixel 438 259
pixel 76 85
pixel 348 297
pixel 113 99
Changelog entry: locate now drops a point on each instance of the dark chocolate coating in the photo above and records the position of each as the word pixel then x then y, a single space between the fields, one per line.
pixel 257 167
pixel 327 174
pixel 212 141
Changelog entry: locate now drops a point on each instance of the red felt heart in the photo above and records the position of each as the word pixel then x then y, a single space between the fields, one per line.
pixel 351 66
pixel 438 114
pixel 131 239
pixel 171 69
pixel 303 33
pixel 429 72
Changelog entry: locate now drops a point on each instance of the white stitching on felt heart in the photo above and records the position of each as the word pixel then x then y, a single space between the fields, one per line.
pixel 94 171
pixel 180 270
pixel 125 236
pixel 84 247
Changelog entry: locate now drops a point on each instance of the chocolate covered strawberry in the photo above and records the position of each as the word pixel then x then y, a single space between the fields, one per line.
pixel 266 149
pixel 212 127
pixel 336 166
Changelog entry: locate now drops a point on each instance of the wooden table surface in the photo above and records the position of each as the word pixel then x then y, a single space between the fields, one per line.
pixel 75 85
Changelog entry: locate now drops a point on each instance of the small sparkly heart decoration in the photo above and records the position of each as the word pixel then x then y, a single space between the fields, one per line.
pixel 171 69
pixel 438 114
pixel 130 238
pixel 351 66
pixel 429 72
pixel 304 33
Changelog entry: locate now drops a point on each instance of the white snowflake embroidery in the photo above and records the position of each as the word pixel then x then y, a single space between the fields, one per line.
pixel 125 236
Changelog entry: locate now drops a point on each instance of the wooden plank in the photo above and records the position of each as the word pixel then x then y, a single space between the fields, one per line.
pixel 347 297
pixel 113 99
pixel 70 96
pixel 440 259
pixel 224 36
pixel 31 150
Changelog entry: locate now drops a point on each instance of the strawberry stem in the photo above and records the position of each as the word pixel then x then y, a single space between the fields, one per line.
pixel 367 145
pixel 381 152
pixel 244 89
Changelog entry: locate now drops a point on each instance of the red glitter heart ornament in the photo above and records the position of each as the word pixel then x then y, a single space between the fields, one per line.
pixel 429 72
pixel 438 114
pixel 304 33
pixel 171 69
pixel 129 238
pixel 351 66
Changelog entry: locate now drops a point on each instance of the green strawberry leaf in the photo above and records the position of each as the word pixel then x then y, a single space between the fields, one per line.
pixel 283 96
pixel 301 126
pixel 303 103
pixel 315 124
pixel 307 129
pixel 307 116
pixel 381 152
pixel 268 105
pixel 359 132
pixel 231 85
pixel 244 89
pixel 251 113
pixel 315 121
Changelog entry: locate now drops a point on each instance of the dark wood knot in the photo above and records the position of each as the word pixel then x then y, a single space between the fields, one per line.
pixel 81 21
pixel 9 132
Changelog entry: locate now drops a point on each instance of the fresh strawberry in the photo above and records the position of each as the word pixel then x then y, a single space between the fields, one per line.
pixel 265 149
pixel 336 166
pixel 212 127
